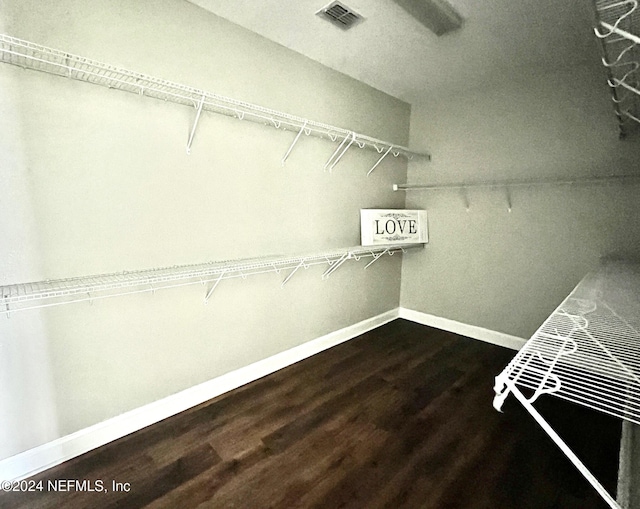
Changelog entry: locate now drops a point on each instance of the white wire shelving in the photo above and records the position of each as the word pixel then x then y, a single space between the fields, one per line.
pixel 618 30
pixel 33 56
pixel 17 297
pixel 587 352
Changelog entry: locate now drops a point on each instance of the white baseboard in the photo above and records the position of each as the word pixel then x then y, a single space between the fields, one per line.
pixel 62 449
pixel 65 448
pixel 470 331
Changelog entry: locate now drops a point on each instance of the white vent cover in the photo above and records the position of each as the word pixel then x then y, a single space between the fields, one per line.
pixel 340 15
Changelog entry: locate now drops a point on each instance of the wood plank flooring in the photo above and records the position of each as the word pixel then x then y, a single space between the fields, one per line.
pixel 400 417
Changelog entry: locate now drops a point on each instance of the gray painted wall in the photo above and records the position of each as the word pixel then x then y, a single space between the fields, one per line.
pixel 95 180
pixel 507 271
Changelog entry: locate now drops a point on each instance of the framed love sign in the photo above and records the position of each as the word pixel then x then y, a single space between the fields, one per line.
pixel 393 226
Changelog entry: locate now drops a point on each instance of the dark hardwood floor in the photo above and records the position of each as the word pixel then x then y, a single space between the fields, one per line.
pixel 400 417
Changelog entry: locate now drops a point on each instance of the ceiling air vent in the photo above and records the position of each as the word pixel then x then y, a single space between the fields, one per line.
pixel 340 15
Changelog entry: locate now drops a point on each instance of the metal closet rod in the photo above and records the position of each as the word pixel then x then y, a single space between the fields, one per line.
pixel 34 295
pixel 33 56
pixel 516 183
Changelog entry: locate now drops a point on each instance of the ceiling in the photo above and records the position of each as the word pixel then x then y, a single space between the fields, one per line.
pixel 393 52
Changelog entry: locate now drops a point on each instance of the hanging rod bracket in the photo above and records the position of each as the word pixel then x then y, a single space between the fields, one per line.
pixel 465 197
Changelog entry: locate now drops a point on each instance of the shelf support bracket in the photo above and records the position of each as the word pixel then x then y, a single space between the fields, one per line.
pixel 333 160
pixel 326 165
pixel 376 258
pixel 353 138
pixel 380 160
pixel 195 124
pixel 284 159
pixel 215 285
pixel 334 266
pixel 286 280
pixel 563 447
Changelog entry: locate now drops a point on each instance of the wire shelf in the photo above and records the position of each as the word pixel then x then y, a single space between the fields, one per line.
pixel 41 58
pixel 588 350
pixel 16 297
pixel 618 30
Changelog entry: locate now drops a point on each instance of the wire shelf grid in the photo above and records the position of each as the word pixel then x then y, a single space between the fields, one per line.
pixel 16 297
pixel 618 30
pixel 588 350
pixel 41 58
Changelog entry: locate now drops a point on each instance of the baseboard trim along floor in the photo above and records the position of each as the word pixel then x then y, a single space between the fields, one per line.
pixel 463 329
pixel 53 453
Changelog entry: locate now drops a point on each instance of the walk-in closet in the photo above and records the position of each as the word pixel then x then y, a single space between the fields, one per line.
pixel 354 253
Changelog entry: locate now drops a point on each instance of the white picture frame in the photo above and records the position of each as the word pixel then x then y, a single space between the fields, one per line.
pixel 393 226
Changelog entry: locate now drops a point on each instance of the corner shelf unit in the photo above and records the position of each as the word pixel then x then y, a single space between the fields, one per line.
pixel 586 352
pixel 33 56
pixel 17 297
pixel 618 31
